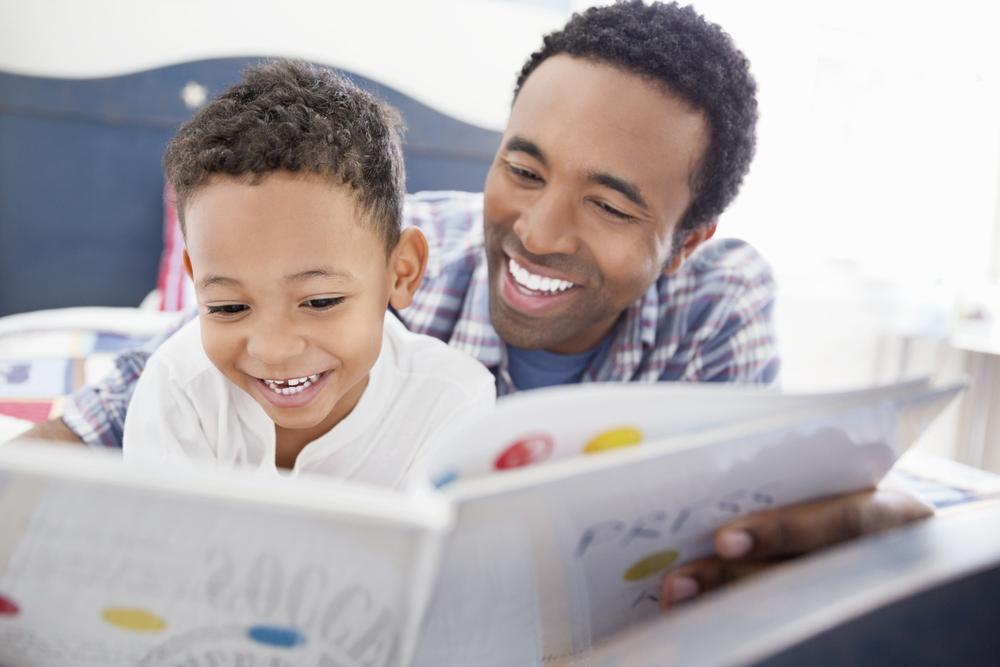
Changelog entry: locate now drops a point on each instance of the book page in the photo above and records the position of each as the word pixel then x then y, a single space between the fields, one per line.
pixel 600 531
pixel 101 572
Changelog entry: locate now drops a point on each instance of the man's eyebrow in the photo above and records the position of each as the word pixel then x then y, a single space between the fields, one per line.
pixel 630 190
pixel 522 145
pixel 321 272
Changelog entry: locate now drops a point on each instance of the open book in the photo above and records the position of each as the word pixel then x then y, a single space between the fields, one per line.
pixel 532 534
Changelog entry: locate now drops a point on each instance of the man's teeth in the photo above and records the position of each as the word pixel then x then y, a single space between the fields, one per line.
pixel 291 386
pixel 535 282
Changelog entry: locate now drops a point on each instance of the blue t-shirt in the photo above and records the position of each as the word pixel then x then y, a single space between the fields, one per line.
pixel 533 369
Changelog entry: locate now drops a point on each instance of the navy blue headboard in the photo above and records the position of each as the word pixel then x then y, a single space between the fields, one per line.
pixel 81 214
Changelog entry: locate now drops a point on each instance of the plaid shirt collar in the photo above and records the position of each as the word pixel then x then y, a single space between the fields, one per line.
pixel 474 334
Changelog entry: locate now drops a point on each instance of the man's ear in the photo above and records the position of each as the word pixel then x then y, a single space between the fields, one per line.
pixel 406 267
pixel 692 240
pixel 187 265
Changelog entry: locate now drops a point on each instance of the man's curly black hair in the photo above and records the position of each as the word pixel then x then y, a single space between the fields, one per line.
pixel 292 116
pixel 694 59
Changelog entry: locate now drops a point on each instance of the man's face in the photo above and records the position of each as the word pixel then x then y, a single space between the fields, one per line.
pixel 292 290
pixel 590 182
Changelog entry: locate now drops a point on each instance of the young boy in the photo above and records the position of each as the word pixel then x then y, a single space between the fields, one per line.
pixel 289 192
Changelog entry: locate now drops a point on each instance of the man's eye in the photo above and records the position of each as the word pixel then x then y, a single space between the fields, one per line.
pixel 323 304
pixel 228 309
pixel 612 211
pixel 523 174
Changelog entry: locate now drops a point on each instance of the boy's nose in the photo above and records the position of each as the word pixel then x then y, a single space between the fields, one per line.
pixel 274 345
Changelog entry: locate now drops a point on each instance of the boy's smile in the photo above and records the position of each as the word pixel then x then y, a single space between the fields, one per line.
pixel 292 284
pixel 294 392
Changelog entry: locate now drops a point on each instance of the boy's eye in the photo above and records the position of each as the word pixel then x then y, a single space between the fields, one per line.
pixel 323 304
pixel 227 309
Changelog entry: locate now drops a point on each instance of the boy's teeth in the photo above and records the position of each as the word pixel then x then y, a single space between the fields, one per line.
pixel 292 385
pixel 537 283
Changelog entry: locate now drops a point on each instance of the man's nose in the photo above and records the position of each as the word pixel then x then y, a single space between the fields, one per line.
pixel 548 226
pixel 274 342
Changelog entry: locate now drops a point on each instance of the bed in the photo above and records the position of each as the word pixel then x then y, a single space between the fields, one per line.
pixel 82 214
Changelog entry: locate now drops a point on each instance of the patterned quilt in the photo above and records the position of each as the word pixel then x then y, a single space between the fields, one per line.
pixel 46 355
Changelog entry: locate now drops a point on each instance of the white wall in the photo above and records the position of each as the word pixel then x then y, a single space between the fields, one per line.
pixel 879 138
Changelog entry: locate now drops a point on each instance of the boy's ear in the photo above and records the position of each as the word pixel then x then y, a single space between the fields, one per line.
pixel 692 240
pixel 187 265
pixel 406 267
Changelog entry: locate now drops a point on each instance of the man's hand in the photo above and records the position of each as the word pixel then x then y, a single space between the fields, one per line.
pixel 54 429
pixel 755 542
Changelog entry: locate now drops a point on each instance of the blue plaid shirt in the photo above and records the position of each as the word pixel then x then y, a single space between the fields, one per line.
pixel 711 321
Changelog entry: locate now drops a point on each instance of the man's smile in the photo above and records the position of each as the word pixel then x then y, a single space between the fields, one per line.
pixel 535 282
pixel 531 289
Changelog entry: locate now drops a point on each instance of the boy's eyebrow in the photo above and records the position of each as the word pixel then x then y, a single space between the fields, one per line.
pixel 521 145
pixel 213 280
pixel 629 190
pixel 321 272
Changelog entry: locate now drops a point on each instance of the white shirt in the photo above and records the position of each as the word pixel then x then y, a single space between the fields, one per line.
pixel 184 408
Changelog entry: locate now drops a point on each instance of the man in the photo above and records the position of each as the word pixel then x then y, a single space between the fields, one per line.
pixel 630 132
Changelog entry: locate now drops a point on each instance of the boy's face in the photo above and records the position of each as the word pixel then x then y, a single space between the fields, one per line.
pixel 292 287
pixel 592 177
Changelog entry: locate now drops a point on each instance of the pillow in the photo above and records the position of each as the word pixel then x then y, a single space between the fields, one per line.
pixel 175 289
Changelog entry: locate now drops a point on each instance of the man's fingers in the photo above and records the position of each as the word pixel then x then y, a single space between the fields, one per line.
pixel 753 543
pixel 699 576
pixel 798 529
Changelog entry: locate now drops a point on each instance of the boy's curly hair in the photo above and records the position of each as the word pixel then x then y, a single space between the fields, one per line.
pixel 292 116
pixel 677 47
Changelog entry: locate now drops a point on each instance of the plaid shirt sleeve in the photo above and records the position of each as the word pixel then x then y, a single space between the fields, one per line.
pixel 96 413
pixel 740 344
